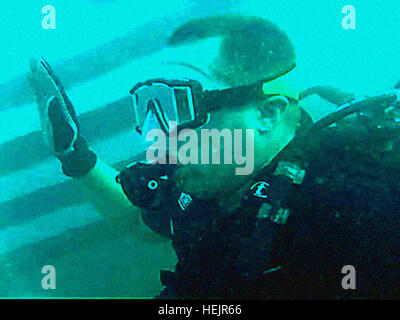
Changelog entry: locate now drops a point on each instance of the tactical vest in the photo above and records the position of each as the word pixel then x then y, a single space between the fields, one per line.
pixel 217 248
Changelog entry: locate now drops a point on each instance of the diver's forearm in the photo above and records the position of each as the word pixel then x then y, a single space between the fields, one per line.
pixel 110 202
pixel 106 195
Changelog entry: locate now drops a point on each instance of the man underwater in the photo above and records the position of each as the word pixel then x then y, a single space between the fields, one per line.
pixel 283 232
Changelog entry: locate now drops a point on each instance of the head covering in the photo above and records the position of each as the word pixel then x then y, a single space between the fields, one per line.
pixel 251 50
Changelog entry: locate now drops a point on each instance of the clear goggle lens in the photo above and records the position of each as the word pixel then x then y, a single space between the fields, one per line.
pixel 167 103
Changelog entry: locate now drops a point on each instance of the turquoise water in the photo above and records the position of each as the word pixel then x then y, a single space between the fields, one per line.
pixel 44 219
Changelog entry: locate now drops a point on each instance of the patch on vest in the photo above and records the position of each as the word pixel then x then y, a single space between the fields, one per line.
pixel 260 189
pixel 184 201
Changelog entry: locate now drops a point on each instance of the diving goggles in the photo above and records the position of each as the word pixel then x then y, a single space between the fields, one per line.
pixel 167 101
pixel 184 104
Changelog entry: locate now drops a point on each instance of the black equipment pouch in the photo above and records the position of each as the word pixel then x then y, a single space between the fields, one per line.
pixel 146 184
pixel 149 187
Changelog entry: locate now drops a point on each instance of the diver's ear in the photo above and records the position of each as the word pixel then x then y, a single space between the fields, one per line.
pixel 269 112
pixel 272 107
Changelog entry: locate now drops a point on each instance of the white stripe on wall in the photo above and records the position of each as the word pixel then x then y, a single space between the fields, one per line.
pixel 46 226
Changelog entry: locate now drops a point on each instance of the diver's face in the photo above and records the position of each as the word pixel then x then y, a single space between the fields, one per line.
pixel 256 122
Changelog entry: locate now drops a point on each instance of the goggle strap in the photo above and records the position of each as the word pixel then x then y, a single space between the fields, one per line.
pixel 216 99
